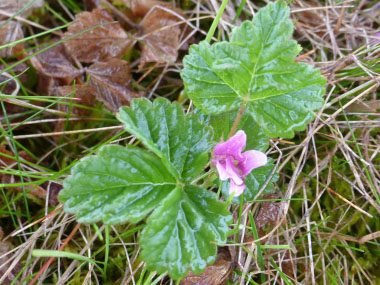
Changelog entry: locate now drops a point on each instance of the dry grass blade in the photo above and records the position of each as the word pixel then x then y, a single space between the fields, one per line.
pixel 320 226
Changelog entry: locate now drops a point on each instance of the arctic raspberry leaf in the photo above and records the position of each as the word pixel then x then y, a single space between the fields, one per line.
pixel 256 66
pixel 118 184
pixel 222 124
pixel 181 234
pixel 122 184
pixel 181 141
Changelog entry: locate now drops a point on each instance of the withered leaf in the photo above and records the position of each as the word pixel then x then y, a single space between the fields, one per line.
pixel 268 214
pixel 10 86
pixel 47 85
pixel 82 94
pixel 9 33
pixel 13 6
pixel 92 4
pixel 53 189
pixel 4 160
pixel 10 162
pixel 4 248
pixel 99 44
pixel 141 7
pixel 215 274
pixel 364 106
pixel 55 63
pixel 161 35
pixel 112 80
pixel 7 162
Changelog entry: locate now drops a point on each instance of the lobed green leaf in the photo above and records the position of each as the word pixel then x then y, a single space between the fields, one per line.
pixel 256 67
pixel 122 184
pixel 181 235
pixel 222 124
pixel 180 140
pixel 117 185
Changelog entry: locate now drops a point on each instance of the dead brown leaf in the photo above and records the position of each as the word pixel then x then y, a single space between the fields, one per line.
pixel 215 274
pixel 4 248
pixel 268 214
pixel 53 189
pixel 9 33
pixel 99 44
pixel 82 94
pixel 13 6
pixel 112 80
pixel 161 35
pixel 47 85
pixel 7 162
pixel 267 218
pixel 370 106
pixel 34 190
pixel 92 4
pixel 286 263
pixel 11 86
pixel 55 63
pixel 140 8
pixel 10 162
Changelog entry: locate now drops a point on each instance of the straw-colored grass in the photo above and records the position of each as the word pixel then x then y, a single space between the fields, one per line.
pixel 324 224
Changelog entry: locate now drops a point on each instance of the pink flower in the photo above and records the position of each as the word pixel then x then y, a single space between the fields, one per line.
pixel 232 164
pixel 377 38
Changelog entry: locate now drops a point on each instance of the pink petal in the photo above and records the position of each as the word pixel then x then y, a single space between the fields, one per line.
pixel 236 189
pixel 227 169
pixel 233 146
pixel 252 159
pixel 377 38
pixel 221 167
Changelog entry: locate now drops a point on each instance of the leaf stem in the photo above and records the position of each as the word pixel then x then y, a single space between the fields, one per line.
pixel 238 118
pixel 215 23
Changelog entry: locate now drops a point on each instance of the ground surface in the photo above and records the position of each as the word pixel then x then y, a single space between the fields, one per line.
pixel 320 226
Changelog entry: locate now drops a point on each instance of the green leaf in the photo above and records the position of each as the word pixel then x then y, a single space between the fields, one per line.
pixel 121 184
pixel 222 124
pixel 254 181
pixel 180 235
pixel 180 140
pixel 257 68
pixel 118 184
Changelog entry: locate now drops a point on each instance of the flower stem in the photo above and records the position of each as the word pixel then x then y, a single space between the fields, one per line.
pixel 215 23
pixel 238 118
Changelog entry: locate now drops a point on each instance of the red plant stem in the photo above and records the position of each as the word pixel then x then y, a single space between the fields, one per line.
pixel 237 120
pixel 51 259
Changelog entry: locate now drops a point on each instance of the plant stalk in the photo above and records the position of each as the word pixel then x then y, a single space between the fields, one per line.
pixel 215 23
pixel 238 118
